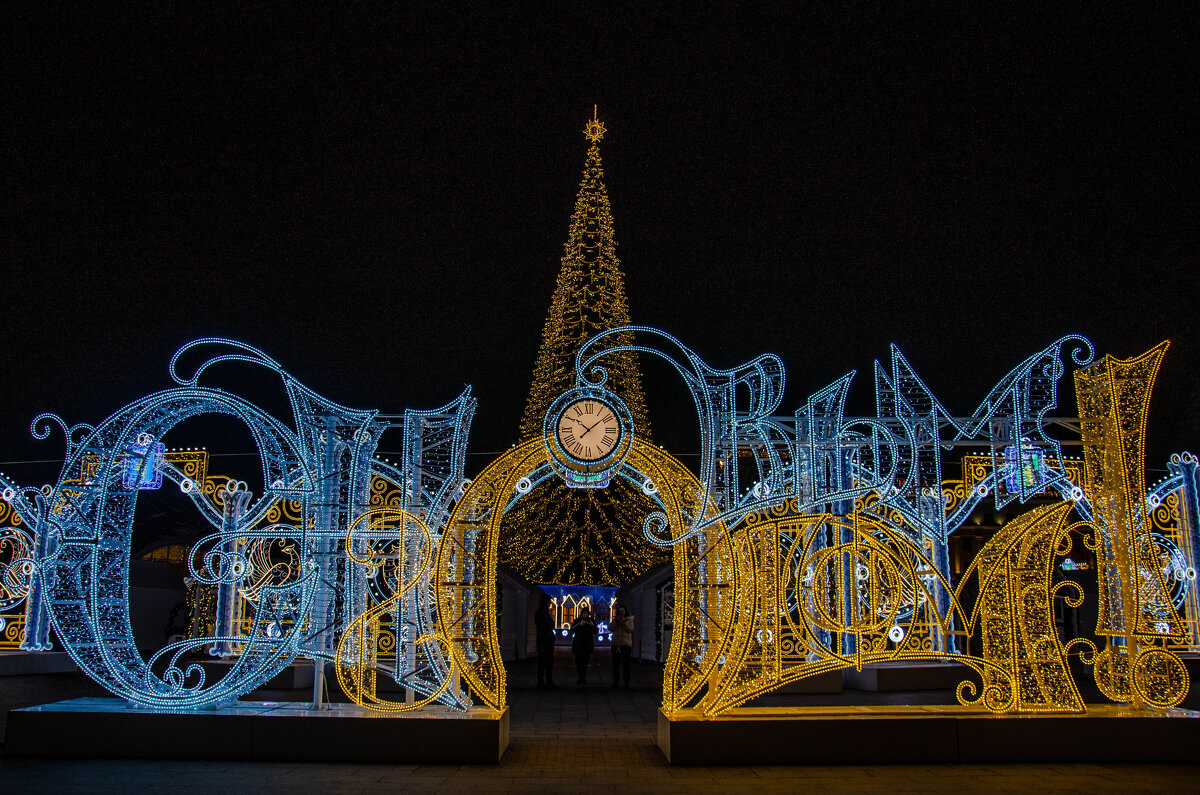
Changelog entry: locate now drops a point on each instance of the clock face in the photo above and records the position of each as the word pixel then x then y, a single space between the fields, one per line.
pixel 588 429
pixel 588 433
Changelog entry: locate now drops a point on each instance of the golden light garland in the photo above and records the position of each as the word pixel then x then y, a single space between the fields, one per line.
pixel 583 536
pixel 15 546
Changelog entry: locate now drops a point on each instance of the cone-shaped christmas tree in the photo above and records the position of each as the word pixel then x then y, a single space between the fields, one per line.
pixel 557 534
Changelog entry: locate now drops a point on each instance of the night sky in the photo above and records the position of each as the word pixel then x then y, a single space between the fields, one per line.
pixel 381 202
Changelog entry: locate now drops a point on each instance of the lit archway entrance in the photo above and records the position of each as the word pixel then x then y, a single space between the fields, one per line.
pixel 465 575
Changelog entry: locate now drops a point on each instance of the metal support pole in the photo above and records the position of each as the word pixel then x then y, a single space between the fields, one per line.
pixel 318 698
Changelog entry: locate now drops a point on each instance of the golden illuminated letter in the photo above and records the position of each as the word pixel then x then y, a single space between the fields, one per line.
pixel 1136 614
pixel 1026 666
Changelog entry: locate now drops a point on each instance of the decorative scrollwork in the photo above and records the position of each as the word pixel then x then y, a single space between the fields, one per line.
pixel 829 550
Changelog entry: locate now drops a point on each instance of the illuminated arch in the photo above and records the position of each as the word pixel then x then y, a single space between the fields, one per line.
pixel 465 573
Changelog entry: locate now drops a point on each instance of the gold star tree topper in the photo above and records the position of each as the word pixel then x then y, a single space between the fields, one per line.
pixel 594 129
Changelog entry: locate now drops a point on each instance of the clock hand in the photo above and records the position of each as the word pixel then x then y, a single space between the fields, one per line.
pixel 585 433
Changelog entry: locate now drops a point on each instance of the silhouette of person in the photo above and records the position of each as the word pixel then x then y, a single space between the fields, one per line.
pixel 583 643
pixel 622 643
pixel 543 624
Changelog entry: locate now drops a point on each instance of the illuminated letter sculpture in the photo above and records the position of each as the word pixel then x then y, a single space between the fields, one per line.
pixel 325 464
pixel 840 534
pixel 806 544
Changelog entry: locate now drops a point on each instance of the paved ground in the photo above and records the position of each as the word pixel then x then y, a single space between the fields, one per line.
pixel 567 740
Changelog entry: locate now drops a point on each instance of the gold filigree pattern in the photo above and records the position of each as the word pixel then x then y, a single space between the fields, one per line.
pixel 815 593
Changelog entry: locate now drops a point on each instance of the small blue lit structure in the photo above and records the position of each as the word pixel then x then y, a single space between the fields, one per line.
pixel 144 464
pixel 1025 465
pixel 566 601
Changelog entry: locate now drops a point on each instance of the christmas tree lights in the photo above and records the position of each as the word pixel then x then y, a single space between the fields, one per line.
pixel 558 534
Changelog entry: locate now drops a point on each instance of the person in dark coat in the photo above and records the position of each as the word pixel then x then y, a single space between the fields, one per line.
pixel 583 643
pixel 543 624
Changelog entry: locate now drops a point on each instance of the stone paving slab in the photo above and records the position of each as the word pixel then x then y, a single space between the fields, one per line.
pixel 567 740
pixel 924 733
pixel 277 731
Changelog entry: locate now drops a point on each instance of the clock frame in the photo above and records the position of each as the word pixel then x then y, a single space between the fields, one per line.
pixel 588 431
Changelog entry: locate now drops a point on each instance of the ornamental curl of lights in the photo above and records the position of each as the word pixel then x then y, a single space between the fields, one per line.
pixel 293 571
pixel 805 543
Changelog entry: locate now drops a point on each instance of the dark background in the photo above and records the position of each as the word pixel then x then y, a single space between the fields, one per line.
pixel 380 202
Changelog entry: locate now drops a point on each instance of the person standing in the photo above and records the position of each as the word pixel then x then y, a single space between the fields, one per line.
pixel 622 643
pixel 543 625
pixel 583 643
